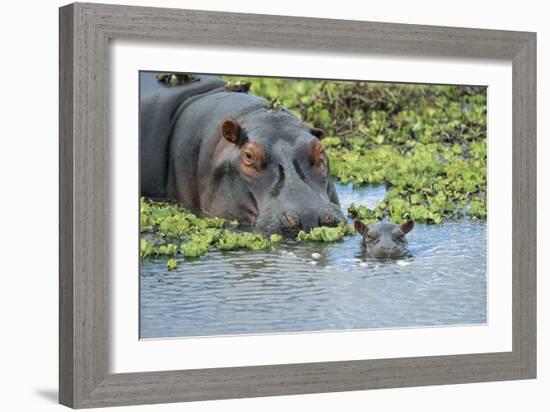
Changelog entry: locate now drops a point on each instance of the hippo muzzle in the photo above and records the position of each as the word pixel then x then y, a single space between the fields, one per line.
pixel 299 204
pixel 290 224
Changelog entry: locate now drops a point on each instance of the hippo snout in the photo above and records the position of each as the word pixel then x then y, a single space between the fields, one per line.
pixel 387 251
pixel 330 218
pixel 290 224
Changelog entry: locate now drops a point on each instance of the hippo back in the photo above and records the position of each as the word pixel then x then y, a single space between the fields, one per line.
pixel 158 113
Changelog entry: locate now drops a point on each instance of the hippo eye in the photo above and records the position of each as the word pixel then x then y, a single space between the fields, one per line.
pixel 252 158
pixel 248 158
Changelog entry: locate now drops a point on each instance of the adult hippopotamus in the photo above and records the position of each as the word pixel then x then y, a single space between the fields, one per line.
pixel 229 154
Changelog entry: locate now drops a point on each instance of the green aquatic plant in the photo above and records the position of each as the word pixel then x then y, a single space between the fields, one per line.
pixel 363 213
pixel 230 240
pixel 477 210
pixel 172 229
pixel 197 246
pixel 172 264
pixel 176 79
pixel 430 183
pixel 169 249
pixel 146 248
pixel 327 234
pixel 274 105
pixel 237 87
pixel 275 238
pixel 427 143
pixel 168 229
pixel 172 221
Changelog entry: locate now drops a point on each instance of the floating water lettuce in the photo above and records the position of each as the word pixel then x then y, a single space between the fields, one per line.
pixel 237 87
pixel 172 221
pixel 176 79
pixel 477 210
pixel 168 229
pixel 172 264
pixel 146 248
pixel 199 243
pixel 428 175
pixel 274 105
pixel 197 246
pixel 275 238
pixel 169 249
pixel 242 240
pixel 326 234
pixel 363 213
pixel 427 143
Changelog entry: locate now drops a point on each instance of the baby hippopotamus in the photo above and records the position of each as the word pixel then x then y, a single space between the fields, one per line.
pixel 384 240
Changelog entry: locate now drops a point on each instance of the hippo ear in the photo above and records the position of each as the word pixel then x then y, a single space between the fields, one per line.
pixel 230 130
pixel 318 133
pixel 407 226
pixel 360 227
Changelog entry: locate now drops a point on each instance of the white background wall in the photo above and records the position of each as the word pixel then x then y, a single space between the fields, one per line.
pixel 28 206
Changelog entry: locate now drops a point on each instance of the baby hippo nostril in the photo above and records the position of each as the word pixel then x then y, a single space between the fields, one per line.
pixel 328 219
pixel 289 220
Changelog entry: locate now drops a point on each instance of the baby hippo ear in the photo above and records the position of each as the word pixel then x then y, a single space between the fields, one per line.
pixel 318 133
pixel 230 130
pixel 407 226
pixel 360 227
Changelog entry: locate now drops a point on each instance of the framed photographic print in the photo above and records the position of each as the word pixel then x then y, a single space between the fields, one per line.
pixel 257 205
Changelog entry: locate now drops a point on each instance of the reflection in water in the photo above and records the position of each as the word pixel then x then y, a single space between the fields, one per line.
pixel 308 286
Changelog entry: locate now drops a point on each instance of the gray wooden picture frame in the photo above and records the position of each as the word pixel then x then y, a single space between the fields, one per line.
pixel 85 32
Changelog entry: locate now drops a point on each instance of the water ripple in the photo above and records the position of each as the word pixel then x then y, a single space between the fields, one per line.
pixel 285 289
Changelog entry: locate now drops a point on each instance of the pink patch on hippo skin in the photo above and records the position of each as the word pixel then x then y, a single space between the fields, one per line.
pixel 318 157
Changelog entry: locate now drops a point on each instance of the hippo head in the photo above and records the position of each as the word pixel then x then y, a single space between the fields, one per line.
pixel 384 240
pixel 275 174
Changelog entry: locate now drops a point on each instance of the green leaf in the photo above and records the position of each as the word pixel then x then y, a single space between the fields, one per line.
pixel 379 139
pixel 275 238
pixel 326 234
pixel 172 264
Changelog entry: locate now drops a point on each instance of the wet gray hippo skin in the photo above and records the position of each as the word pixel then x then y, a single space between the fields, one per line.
pixel 384 240
pixel 227 154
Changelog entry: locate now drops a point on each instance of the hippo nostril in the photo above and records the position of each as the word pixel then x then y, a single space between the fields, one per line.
pixel 328 219
pixel 290 225
pixel 290 220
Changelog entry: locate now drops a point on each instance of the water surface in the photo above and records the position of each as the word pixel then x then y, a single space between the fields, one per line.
pixel 286 290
